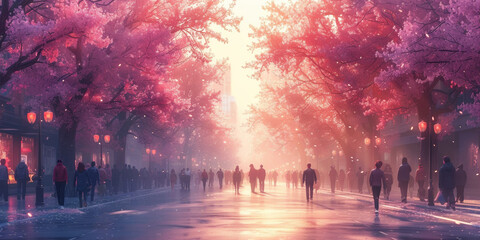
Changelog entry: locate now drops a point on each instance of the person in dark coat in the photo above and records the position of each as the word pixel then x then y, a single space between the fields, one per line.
pixel 60 178
pixel 253 177
pixel 333 178
pixel 377 178
pixel 4 180
pixel 220 178
pixel 403 178
pixel 460 182
pixel 237 178
pixel 82 184
pixel 94 177
pixel 309 178
pixel 420 178
pixel 211 178
pixel 21 176
pixel 387 187
pixel 205 178
pixel 173 179
pixel 446 182
pixel 261 178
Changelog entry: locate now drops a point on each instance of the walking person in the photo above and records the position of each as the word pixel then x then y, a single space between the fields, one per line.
pixel 188 178
pixel 60 178
pixel 220 177
pixel 309 178
pixel 4 179
pixel 261 174
pixel 253 178
pixel 420 178
pixel 460 182
pixel 211 178
pixel 403 178
pixel 333 178
pixel 446 182
pixel 22 177
pixel 108 179
pixel 387 187
pixel 173 179
pixel 94 178
pixel 82 184
pixel 236 178
pixel 377 178
pixel 205 178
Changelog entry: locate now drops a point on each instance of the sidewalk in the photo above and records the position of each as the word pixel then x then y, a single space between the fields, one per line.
pixel 467 213
pixel 24 210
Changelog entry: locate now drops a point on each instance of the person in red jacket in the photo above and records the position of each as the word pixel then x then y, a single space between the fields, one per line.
pixel 60 179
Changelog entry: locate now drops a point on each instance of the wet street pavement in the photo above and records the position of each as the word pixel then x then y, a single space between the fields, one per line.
pixel 278 214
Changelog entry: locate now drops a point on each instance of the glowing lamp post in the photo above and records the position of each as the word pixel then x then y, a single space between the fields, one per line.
pixel 367 141
pixel 437 129
pixel 96 139
pixel 378 141
pixel 150 152
pixel 47 117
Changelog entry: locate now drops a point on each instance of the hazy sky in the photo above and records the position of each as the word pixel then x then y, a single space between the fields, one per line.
pixel 244 88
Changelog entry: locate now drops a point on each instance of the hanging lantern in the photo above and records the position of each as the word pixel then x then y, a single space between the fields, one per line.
pixel 422 126
pixel 96 138
pixel 106 138
pixel 48 116
pixel 154 151
pixel 378 141
pixel 340 153
pixel 437 128
pixel 334 153
pixel 31 117
pixel 367 141
pixel 147 150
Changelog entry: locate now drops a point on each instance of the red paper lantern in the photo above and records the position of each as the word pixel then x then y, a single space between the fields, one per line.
pixel 422 126
pixel 154 151
pixel 48 116
pixel 367 141
pixel 378 141
pixel 147 150
pixel 106 138
pixel 96 138
pixel 437 128
pixel 31 117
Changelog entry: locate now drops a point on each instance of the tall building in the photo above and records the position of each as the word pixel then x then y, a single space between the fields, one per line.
pixel 228 106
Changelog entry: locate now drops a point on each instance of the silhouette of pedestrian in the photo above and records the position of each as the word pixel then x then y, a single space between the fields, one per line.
pixel 205 178
pixel 60 178
pixel 94 177
pixel 253 177
pixel 387 187
pixel 211 178
pixel 220 177
pixel 403 178
pixel 4 180
pixel 261 178
pixel 237 177
pixel 333 178
pixel 82 183
pixel 377 178
pixel 446 182
pixel 420 177
pixel 309 178
pixel 173 179
pixel 21 176
pixel 460 182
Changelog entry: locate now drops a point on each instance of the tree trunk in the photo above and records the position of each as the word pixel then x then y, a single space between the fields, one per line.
pixel 120 151
pixel 66 152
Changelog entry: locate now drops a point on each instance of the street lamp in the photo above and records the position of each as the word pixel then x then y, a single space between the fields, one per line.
pixel 96 139
pixel 47 117
pixel 437 128
pixel 367 141
pixel 150 152
pixel 378 141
